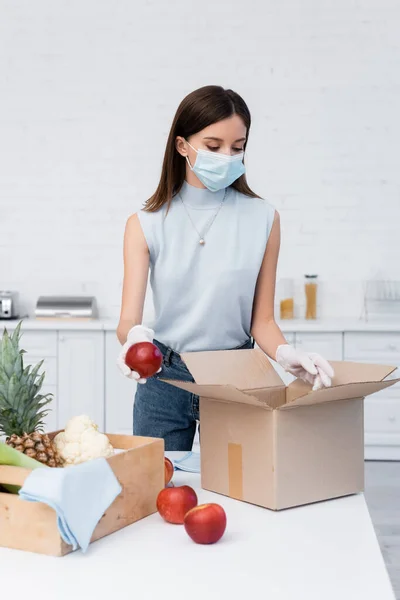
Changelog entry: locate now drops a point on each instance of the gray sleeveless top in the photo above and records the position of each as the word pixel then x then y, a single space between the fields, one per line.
pixel 203 294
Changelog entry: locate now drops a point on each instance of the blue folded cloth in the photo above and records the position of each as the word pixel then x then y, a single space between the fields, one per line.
pixel 185 461
pixel 79 494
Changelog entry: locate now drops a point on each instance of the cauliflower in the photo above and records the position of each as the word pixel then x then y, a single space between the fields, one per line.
pixel 77 425
pixel 81 441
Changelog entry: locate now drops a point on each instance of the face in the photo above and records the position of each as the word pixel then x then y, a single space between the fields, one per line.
pixel 225 137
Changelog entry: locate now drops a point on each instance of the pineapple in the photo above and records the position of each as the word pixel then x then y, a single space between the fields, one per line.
pixel 22 408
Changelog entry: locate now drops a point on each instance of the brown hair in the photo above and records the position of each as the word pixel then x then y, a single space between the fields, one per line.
pixel 198 110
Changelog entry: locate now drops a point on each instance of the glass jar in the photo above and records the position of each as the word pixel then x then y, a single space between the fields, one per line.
pixel 310 287
pixel 286 299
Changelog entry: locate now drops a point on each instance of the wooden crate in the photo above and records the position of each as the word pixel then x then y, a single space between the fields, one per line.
pixel 32 526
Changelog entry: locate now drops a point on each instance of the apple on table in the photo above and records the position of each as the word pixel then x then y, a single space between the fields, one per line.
pixel 174 502
pixel 205 523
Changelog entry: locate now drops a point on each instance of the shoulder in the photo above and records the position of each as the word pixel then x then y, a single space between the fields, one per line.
pixel 134 232
pixel 253 202
pixel 143 218
pixel 143 227
pixel 257 207
pixel 132 224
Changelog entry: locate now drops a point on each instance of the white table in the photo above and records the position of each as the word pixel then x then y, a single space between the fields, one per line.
pixel 325 551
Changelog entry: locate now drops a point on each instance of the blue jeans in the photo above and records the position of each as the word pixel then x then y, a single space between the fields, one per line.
pixel 164 411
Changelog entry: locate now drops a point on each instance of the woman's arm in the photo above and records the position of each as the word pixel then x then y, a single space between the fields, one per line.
pixel 136 271
pixel 264 329
pixel 311 367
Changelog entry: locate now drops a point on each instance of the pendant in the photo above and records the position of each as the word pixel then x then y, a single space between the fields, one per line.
pixel 201 242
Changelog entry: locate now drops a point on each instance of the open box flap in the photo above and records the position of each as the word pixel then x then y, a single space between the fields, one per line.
pixel 356 372
pixel 345 373
pixel 242 369
pixel 228 393
pixel 338 392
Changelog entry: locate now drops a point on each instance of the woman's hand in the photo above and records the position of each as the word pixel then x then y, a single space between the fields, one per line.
pixel 308 366
pixel 137 334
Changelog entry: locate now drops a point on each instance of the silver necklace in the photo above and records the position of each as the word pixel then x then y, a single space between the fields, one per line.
pixel 202 240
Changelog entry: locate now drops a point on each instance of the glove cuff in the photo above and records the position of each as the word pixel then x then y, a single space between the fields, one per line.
pixel 282 347
pixel 140 333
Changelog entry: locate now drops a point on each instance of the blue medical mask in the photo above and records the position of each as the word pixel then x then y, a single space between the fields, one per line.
pixel 217 171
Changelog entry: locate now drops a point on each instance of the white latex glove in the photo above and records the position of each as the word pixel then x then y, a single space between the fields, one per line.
pixel 308 366
pixel 137 334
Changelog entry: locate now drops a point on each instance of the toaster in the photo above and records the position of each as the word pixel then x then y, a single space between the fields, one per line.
pixel 67 307
pixel 8 304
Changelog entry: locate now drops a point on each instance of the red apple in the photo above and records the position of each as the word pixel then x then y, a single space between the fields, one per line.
pixel 144 358
pixel 169 470
pixel 174 502
pixel 205 523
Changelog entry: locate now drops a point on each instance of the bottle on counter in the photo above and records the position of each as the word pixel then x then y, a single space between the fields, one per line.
pixel 287 299
pixel 310 286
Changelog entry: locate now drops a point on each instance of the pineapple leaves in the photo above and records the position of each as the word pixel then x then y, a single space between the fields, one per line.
pixel 22 408
pixel 39 383
pixel 3 382
pixel 13 386
pixel 16 336
pixel 36 369
pixel 18 366
pixel 10 355
pixel 7 355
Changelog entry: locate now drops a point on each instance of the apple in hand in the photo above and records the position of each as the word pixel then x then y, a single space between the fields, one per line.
pixel 205 523
pixel 144 358
pixel 174 502
pixel 169 470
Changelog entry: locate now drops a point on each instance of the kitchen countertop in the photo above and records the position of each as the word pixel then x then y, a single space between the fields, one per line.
pixel 287 326
pixel 325 550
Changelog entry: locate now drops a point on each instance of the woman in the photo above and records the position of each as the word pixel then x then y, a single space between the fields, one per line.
pixel 212 247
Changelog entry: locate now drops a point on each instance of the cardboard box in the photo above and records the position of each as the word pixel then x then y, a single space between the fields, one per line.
pixel 274 445
pixel 32 526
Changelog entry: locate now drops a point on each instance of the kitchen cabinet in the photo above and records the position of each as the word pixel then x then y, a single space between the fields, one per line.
pixel 81 376
pixel 119 390
pixel 43 345
pixel 329 345
pixel 381 410
pixel 372 347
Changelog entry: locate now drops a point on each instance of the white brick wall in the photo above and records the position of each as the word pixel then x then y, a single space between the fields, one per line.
pixel 87 93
